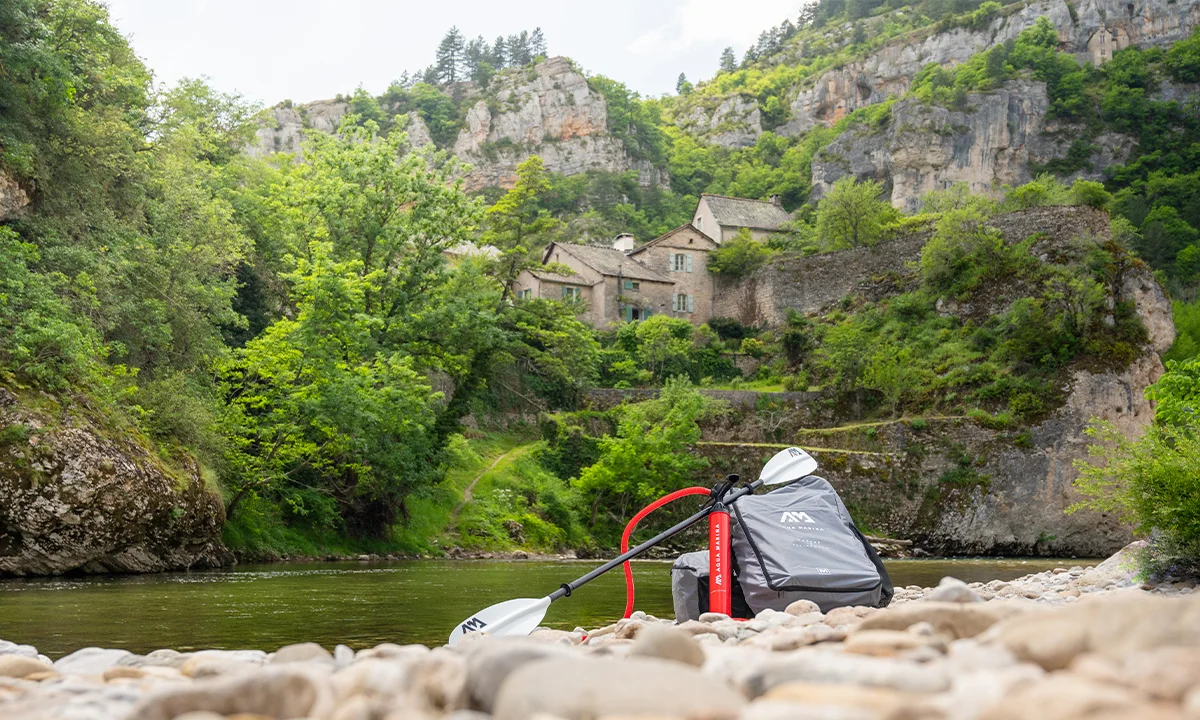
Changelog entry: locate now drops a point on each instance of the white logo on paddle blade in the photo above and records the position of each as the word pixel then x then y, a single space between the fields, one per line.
pixel 795 517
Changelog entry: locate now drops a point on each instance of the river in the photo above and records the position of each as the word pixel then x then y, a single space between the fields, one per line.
pixel 358 604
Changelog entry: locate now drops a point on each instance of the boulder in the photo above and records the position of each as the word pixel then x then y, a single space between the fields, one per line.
pixel 276 693
pixel 90 661
pixel 16 666
pixel 585 688
pixel 1063 696
pixel 957 620
pixel 838 668
pixel 953 590
pixel 668 643
pixel 75 497
pixel 490 663
pixel 301 652
pixel 1114 625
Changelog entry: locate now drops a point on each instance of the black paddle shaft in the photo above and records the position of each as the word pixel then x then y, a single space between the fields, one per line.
pixel 567 588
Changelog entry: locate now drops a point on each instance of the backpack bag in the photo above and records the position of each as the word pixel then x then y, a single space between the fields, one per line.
pixel 798 542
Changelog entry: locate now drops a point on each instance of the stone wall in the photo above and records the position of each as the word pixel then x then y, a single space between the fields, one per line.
pixel 816 283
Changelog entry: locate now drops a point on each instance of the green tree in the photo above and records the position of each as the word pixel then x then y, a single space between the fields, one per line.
pixel 314 408
pixel 728 62
pixel 451 57
pixel 651 451
pixel 1153 482
pixel 682 86
pixel 663 344
pixel 852 215
pixel 518 226
pixel 738 257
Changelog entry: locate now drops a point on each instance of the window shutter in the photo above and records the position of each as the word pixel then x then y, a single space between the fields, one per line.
pixel 688 262
pixel 691 302
pixel 671 262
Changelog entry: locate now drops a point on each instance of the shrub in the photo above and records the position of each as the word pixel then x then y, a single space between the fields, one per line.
pixel 961 252
pixel 1152 483
pixel 1090 193
pixel 739 257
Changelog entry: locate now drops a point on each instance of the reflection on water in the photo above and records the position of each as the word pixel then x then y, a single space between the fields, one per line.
pixel 360 605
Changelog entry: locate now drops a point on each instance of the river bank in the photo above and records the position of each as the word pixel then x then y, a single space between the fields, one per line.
pixel 1064 643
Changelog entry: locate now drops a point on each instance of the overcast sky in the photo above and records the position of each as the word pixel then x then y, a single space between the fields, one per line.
pixel 270 50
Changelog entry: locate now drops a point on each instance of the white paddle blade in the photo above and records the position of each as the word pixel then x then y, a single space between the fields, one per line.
pixel 511 618
pixel 786 466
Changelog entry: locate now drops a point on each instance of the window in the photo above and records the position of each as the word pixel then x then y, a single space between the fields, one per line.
pixel 570 293
pixel 685 303
pixel 681 262
pixel 632 285
pixel 526 294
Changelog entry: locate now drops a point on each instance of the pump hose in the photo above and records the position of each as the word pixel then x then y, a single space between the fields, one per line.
pixel 629 593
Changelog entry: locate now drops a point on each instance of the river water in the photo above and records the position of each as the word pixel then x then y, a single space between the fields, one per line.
pixel 359 604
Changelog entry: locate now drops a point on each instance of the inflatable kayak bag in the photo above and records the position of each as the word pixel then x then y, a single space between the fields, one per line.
pixel 798 542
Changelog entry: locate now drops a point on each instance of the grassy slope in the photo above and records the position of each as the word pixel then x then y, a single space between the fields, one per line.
pixel 258 530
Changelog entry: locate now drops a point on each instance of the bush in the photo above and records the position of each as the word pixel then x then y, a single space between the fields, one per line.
pixel 739 257
pixel 962 252
pixel 1152 483
pixel 728 328
pixel 1090 193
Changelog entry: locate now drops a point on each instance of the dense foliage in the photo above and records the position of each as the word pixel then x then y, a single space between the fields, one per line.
pixel 1154 481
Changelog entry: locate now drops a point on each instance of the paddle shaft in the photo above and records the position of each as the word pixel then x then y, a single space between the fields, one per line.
pixel 567 588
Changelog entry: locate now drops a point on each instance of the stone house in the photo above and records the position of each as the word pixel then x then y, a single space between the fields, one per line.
pixel 608 284
pixel 667 275
pixel 720 217
pixel 682 254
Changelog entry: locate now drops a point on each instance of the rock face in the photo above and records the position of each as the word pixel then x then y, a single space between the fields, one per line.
pixel 73 500
pixel 993 142
pixel 12 197
pixel 549 111
pixel 1017 503
pixel 1093 30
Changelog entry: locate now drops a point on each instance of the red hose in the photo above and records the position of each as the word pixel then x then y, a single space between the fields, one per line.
pixel 633 523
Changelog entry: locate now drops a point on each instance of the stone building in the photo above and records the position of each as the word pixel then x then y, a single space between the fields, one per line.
pixel 721 218
pixel 682 255
pixel 667 275
pixel 607 283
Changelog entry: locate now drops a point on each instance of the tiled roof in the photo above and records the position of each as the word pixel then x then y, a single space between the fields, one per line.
pixel 740 212
pixel 669 233
pixel 608 261
pixel 555 277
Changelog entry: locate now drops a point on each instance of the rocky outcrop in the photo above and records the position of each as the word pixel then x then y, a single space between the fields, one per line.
pixel 74 500
pixel 730 122
pixel 908 480
pixel 1093 30
pixel 988 144
pixel 282 127
pixel 549 111
pixel 12 197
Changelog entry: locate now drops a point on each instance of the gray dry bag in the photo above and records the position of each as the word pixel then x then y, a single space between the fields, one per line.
pixel 797 542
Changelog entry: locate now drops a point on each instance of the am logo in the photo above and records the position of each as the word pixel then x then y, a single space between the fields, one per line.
pixel 473 624
pixel 796 517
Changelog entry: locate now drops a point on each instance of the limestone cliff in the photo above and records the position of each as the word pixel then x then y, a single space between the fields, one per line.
pixel 991 143
pixel 894 475
pixel 1093 30
pixel 547 109
pixel 12 197
pixel 74 500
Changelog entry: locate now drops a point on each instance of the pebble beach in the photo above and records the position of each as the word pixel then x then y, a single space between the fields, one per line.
pixel 1073 642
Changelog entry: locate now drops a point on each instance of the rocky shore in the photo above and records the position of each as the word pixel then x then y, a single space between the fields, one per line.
pixel 1069 643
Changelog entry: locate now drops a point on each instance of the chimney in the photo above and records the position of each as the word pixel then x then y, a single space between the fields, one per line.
pixel 624 242
pixel 775 201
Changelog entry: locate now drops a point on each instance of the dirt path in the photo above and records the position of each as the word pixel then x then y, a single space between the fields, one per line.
pixel 469 492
